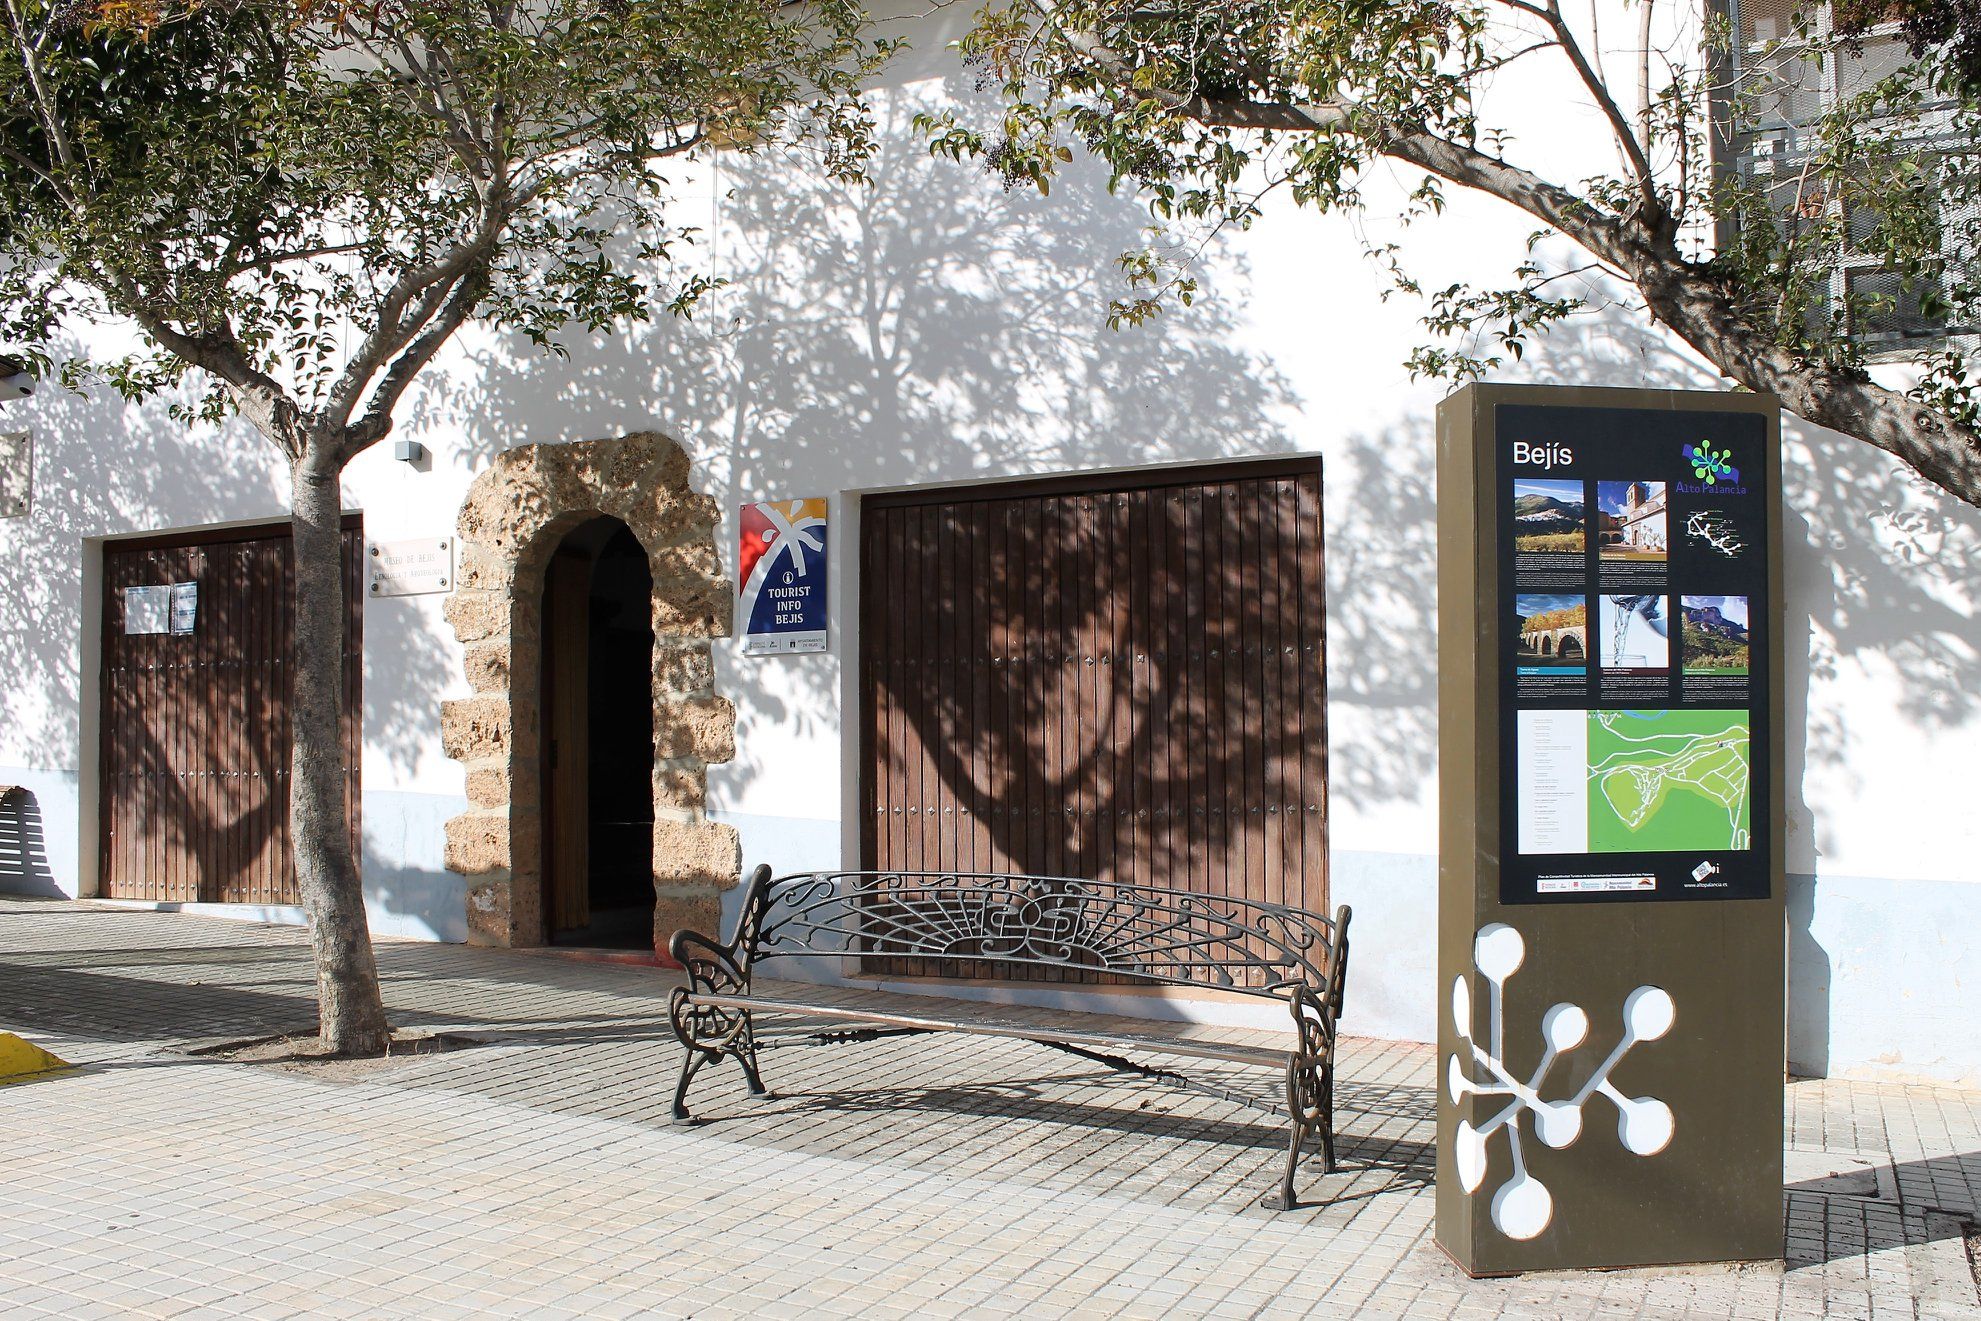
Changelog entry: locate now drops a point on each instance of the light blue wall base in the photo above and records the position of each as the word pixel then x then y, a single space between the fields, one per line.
pixel 785 843
pixel 408 893
pixel 408 889
pixel 39 834
pixel 1883 977
pixel 1882 973
pixel 1392 942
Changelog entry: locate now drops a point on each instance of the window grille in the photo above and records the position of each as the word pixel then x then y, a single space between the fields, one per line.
pixel 1783 96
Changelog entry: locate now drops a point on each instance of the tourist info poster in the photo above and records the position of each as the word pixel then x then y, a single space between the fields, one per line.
pixel 781 566
pixel 1634 654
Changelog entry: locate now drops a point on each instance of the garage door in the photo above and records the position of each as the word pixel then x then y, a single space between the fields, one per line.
pixel 194 804
pixel 1112 679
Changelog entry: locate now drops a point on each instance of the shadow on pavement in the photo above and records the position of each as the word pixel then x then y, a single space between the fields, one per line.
pixel 1888 1205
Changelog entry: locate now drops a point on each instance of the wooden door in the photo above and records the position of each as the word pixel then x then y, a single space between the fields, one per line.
pixel 1111 679
pixel 566 707
pixel 195 741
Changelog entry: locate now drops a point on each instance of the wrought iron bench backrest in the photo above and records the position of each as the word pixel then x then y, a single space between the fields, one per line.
pixel 1146 933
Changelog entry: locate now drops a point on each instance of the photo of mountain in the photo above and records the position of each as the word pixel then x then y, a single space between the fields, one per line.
pixel 1549 516
pixel 1714 634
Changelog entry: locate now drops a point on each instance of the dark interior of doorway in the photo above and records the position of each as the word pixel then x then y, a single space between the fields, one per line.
pixel 609 732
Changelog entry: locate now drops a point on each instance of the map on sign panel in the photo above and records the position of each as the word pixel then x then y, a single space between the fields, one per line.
pixel 1668 780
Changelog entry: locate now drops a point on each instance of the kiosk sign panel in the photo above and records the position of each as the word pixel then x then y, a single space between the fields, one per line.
pixel 781 564
pixel 1610 954
pixel 1633 579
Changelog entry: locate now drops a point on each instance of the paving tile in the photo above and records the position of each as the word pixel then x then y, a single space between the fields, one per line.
pixel 539 1175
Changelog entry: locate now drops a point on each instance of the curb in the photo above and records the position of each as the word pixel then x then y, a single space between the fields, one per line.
pixel 22 1059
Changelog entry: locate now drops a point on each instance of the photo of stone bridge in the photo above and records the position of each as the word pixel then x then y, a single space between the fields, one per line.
pixel 1553 630
pixel 1569 644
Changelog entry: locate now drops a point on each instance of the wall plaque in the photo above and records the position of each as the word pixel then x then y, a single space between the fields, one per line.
pixel 411 568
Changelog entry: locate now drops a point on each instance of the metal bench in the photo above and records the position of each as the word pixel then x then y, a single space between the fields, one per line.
pixel 980 925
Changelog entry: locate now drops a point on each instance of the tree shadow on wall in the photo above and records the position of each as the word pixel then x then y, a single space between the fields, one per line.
pixel 924 328
pixel 100 467
pixel 927 329
pixel 106 468
pixel 1878 572
pixel 1879 567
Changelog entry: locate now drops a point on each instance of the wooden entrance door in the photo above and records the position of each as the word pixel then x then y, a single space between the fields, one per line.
pixel 1101 678
pixel 194 800
pixel 566 707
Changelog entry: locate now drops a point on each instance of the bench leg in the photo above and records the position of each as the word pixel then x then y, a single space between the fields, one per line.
pixel 746 1055
pixel 691 1063
pixel 1287 1199
pixel 1327 1122
pixel 706 1036
pixel 1309 1110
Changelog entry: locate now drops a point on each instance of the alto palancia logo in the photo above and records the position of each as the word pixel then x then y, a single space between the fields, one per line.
pixel 1712 469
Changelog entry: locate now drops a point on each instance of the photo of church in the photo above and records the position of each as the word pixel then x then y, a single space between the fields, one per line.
pixel 1633 520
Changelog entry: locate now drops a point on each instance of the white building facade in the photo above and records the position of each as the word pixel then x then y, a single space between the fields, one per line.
pixel 932 331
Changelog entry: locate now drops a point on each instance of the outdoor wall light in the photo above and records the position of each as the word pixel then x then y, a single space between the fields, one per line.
pixel 408 451
pixel 15 382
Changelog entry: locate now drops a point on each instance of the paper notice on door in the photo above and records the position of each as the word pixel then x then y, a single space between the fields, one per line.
pixel 185 608
pixel 1552 792
pixel 148 609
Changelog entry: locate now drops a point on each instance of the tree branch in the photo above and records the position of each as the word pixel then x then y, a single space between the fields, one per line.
pixel 377 420
pixel 49 112
pixel 1626 139
pixel 299 254
pixel 394 328
pixel 1679 293
pixel 454 123
pixel 260 397
pixel 1644 69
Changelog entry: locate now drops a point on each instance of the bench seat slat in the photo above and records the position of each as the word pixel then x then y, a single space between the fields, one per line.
pixel 1151 1040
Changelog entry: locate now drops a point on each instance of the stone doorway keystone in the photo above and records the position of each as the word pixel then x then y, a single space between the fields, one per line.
pixel 514 517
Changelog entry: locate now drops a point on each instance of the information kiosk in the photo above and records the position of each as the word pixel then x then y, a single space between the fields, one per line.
pixel 1610 923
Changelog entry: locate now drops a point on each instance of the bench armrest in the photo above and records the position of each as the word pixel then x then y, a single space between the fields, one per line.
pixel 1317 1009
pixel 711 967
pixel 1313 1022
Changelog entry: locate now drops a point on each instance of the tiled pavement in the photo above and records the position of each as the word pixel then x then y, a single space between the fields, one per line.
pixel 538 1175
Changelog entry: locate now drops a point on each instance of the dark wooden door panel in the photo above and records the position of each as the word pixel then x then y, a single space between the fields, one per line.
pixel 566 707
pixel 195 729
pixel 1125 681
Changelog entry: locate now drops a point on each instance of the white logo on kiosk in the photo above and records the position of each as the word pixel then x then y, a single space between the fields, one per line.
pixel 1522 1207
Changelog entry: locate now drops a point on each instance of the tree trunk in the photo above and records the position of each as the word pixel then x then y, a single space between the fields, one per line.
pixel 351 1014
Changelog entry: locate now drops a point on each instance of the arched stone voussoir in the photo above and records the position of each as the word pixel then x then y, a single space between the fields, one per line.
pixel 513 518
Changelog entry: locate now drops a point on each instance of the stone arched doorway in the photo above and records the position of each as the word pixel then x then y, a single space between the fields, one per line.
pixel 514 517
pixel 596 713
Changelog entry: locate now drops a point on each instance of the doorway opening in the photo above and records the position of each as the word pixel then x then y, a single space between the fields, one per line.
pixel 596 753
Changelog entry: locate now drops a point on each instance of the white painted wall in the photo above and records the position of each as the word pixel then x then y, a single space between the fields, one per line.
pixel 932 328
